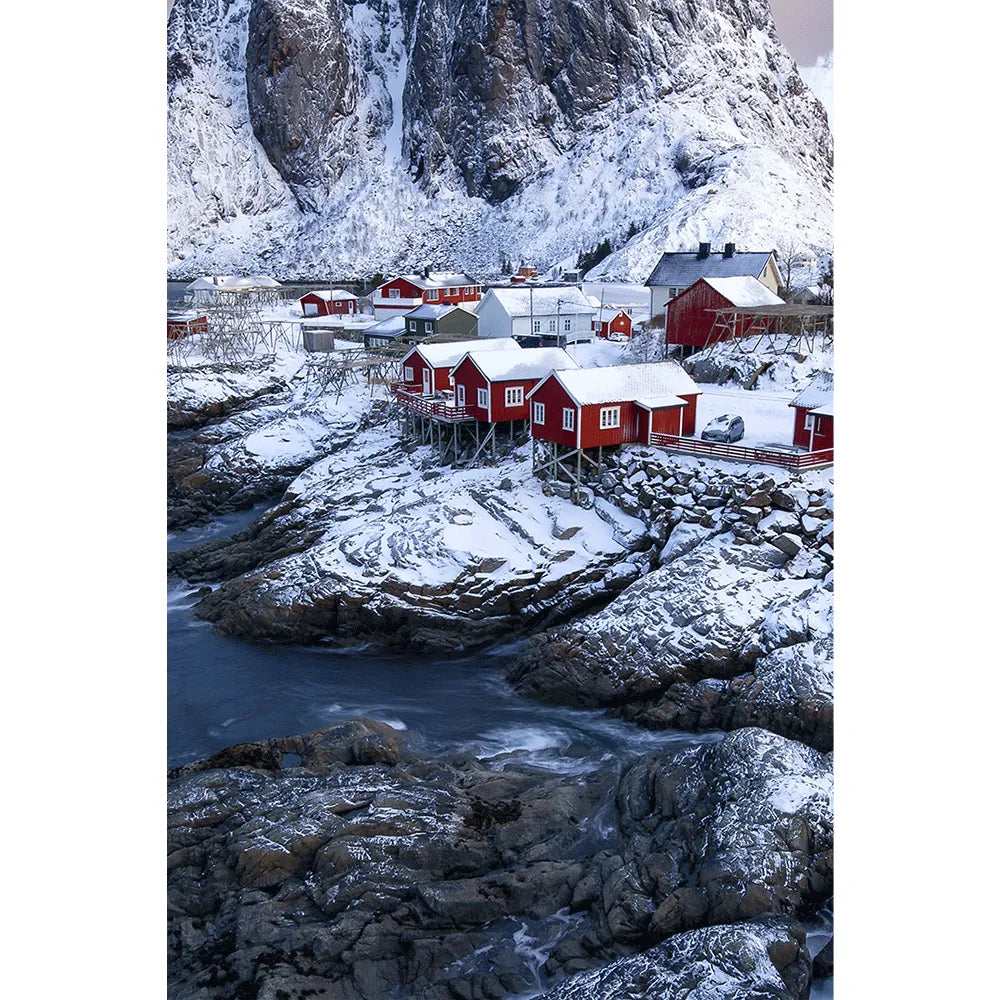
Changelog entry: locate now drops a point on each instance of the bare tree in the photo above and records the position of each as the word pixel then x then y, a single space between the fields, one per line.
pixel 791 255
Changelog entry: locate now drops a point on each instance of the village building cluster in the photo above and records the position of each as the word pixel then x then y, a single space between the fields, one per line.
pixel 480 364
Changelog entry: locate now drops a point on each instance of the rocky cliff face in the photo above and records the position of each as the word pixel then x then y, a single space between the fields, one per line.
pixel 310 135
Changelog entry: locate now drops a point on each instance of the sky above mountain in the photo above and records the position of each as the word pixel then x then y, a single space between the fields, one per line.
pixel 806 28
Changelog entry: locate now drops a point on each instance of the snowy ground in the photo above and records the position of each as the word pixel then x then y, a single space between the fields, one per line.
pixel 767 416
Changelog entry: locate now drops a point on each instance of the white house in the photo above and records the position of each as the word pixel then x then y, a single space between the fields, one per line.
pixel 546 317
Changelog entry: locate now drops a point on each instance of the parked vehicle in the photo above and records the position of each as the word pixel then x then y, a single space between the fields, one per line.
pixel 726 427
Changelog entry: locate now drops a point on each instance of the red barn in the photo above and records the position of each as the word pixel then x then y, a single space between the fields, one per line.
pixel 335 302
pixel 182 324
pixel 814 414
pixel 411 290
pixel 596 407
pixel 691 315
pixel 495 384
pixel 426 368
pixel 610 320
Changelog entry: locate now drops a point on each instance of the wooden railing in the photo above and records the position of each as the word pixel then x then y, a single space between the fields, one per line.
pixel 739 453
pixel 427 406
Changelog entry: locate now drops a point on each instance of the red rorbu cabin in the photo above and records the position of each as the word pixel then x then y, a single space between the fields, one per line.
pixel 335 302
pixel 495 385
pixel 411 290
pixel 691 315
pixel 596 407
pixel 814 414
pixel 426 368
pixel 609 321
pixel 183 324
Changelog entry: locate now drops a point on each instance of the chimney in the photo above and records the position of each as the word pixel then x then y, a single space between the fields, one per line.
pixel 730 250
pixel 704 249
pixel 427 270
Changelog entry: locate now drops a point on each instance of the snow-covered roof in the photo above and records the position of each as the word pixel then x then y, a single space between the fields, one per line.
pixel 608 313
pixel 744 290
pixel 331 295
pixel 429 311
pixel 227 282
pixel 391 327
pixel 619 382
pixel 447 355
pixel 660 402
pixel 529 362
pixel 681 270
pixel 817 397
pixel 525 301
pixel 435 279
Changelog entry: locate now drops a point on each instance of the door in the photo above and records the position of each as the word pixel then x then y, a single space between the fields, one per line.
pixel 427 381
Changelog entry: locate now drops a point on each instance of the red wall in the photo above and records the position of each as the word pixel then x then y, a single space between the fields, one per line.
pixel 689 316
pixel 473 379
pixel 689 414
pixel 552 394
pixel 407 290
pixel 821 439
pixel 668 421
pixel 622 323
pixel 592 434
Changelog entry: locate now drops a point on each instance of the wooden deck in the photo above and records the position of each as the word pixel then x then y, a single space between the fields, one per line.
pixel 431 406
pixel 795 460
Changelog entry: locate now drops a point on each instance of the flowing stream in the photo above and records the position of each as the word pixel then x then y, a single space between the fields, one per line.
pixel 223 691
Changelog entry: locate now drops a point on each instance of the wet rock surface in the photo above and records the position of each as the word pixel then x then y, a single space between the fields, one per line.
pixel 337 864
pixel 734 626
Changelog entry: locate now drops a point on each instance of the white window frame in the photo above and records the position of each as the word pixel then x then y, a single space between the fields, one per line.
pixel 460 394
pixel 810 421
pixel 513 395
pixel 408 373
pixel 393 293
pixel 567 325
pixel 569 419
pixel 432 295
pixel 452 292
pixel 482 399
pixel 536 326
pixel 552 326
pixel 428 326
pixel 611 417
pixel 413 326
pixel 539 413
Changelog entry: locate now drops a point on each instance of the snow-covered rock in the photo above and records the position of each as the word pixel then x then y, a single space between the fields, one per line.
pixel 733 627
pixel 387 545
pixel 308 137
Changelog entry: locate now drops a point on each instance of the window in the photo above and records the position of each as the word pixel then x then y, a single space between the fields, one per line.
pixel 569 419
pixel 810 421
pixel 413 326
pixel 552 326
pixel 536 327
pixel 610 416
pixel 539 413
pixel 513 395
pixel 482 398
pixel 567 325
pixel 460 394
pixel 432 295
pixel 451 291
pixel 407 374
pixel 428 327
pixel 393 293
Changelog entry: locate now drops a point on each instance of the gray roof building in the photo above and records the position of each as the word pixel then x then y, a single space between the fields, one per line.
pixel 681 270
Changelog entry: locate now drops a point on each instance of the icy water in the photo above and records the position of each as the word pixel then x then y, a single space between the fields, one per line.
pixel 223 691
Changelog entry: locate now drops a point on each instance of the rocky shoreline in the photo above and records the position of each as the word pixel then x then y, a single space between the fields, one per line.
pixel 337 864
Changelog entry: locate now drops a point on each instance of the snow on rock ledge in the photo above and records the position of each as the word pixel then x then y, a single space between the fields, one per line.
pixel 383 549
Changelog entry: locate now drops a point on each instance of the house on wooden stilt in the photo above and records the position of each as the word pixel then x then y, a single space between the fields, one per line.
pixel 577 415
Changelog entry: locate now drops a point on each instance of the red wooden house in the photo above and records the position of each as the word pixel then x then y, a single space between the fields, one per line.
pixel 814 414
pixel 426 368
pixel 411 290
pixel 494 385
pixel 183 324
pixel 335 302
pixel 597 407
pixel 611 320
pixel 691 315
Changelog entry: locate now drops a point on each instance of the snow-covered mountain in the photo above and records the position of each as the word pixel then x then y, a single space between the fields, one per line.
pixel 819 79
pixel 310 137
